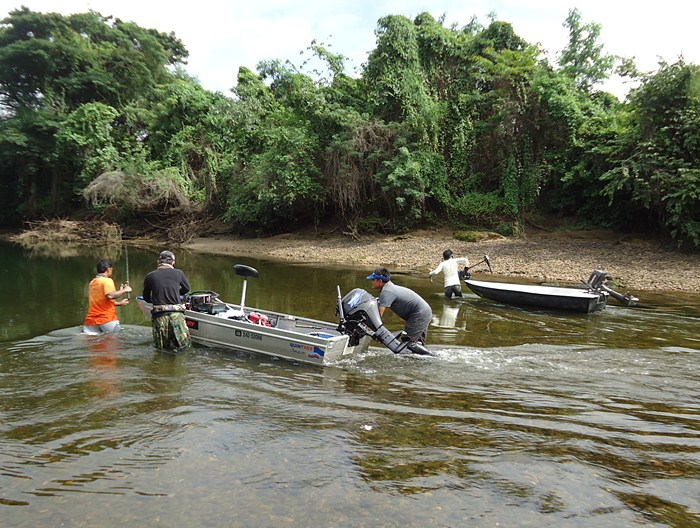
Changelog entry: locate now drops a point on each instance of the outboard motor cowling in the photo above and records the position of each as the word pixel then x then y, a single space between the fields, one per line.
pixel 359 304
pixel 359 314
pixel 596 280
pixel 596 283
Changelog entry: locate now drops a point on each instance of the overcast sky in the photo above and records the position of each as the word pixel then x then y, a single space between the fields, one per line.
pixel 223 35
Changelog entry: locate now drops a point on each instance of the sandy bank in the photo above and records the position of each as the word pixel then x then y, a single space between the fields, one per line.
pixel 560 257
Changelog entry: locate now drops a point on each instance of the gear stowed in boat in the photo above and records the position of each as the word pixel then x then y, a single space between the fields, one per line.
pixel 213 322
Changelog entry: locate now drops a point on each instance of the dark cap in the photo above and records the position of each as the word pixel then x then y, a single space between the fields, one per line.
pixel 380 273
pixel 166 256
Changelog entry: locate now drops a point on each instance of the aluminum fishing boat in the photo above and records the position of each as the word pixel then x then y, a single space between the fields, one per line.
pixel 215 323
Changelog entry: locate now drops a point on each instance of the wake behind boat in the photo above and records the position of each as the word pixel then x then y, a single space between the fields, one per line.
pixel 212 322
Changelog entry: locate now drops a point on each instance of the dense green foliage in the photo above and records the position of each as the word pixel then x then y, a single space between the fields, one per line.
pixel 469 126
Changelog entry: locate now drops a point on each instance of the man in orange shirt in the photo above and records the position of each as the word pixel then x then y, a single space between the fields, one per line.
pixel 102 314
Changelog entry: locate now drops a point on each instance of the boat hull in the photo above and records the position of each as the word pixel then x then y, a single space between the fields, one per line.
pixel 547 297
pixel 290 337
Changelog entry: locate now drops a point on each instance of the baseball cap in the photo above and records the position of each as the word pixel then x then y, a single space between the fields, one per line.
pixel 166 255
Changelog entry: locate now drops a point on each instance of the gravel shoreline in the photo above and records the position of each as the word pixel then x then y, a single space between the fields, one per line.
pixel 634 263
pixel 553 257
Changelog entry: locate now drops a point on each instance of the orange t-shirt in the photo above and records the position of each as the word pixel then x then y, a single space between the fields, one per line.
pixel 102 310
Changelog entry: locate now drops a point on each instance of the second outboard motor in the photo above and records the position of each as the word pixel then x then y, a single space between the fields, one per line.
pixel 596 282
pixel 359 316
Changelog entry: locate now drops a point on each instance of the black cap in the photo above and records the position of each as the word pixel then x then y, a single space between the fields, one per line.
pixel 166 256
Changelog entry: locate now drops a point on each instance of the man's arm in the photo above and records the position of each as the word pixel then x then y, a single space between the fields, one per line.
pixel 184 285
pixel 147 290
pixel 436 270
pixel 118 293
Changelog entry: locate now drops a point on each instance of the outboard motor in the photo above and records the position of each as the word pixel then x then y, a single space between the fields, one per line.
pixel 596 279
pixel 596 283
pixel 359 316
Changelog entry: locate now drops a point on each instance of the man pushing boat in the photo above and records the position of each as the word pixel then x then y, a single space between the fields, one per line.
pixel 405 303
pixel 450 269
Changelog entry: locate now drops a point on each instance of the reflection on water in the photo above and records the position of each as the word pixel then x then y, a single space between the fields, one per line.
pixel 522 417
pixel 103 353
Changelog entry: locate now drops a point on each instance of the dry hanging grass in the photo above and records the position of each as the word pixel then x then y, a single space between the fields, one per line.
pixel 159 191
pixel 351 168
pixel 69 232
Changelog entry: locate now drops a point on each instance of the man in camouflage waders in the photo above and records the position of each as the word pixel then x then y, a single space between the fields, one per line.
pixel 163 288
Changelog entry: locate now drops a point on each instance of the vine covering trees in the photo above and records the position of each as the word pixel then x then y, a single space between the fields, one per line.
pixel 465 125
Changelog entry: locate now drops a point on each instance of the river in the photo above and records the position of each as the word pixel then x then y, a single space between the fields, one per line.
pixel 522 418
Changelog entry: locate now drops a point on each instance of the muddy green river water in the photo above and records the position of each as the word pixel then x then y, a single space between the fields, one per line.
pixel 522 417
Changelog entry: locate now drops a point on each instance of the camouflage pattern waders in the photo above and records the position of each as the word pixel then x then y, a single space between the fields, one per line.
pixel 170 331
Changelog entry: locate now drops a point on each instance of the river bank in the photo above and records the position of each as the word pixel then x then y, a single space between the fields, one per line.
pixel 562 257
pixel 634 262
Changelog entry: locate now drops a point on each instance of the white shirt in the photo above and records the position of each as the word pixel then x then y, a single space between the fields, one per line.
pixel 449 268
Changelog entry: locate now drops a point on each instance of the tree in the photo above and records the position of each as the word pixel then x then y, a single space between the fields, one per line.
pixel 31 187
pixel 583 59
pixel 397 82
pixel 60 62
pixel 274 177
pixel 655 165
pixel 85 143
pixel 75 74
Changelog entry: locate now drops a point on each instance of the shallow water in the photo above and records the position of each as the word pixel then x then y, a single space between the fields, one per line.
pixel 523 418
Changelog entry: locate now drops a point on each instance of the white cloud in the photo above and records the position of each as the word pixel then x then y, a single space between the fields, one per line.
pixel 221 36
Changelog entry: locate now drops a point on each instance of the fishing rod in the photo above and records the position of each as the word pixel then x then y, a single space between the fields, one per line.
pixel 126 250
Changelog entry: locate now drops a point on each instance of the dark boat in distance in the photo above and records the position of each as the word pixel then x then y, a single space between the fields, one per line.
pixel 591 298
pixel 549 297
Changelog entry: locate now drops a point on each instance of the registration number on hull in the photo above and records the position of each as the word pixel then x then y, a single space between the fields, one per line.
pixel 248 335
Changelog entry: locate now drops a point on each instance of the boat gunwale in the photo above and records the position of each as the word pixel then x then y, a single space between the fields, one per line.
pixel 537 289
pixel 270 330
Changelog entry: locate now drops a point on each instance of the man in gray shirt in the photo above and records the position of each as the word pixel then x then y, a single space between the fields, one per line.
pixel 404 302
